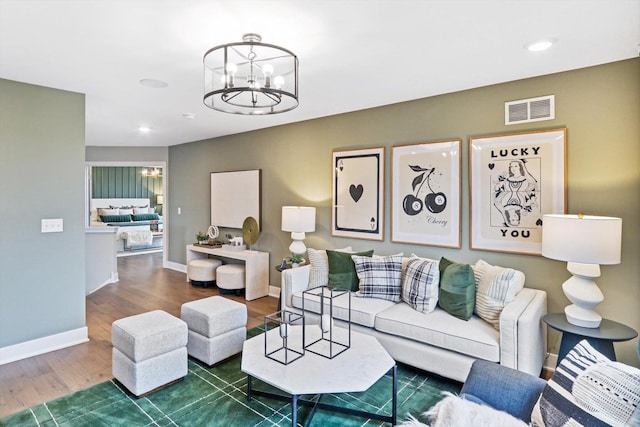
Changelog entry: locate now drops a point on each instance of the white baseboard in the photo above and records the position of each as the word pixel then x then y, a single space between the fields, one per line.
pixel 43 345
pixel 274 291
pixel 176 266
pixel 550 362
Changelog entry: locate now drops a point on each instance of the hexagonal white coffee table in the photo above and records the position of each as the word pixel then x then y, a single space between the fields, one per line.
pixel 354 370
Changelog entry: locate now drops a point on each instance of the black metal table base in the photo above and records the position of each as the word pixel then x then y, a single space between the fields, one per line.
pixel 317 404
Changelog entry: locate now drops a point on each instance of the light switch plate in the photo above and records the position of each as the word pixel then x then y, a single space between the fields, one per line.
pixel 52 225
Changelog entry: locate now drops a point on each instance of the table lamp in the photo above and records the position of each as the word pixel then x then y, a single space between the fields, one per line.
pixel 584 242
pixel 298 220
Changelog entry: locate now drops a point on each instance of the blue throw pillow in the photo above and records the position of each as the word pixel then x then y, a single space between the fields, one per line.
pixel 146 217
pixel 115 218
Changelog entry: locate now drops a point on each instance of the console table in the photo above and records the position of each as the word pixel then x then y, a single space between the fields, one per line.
pixel 256 267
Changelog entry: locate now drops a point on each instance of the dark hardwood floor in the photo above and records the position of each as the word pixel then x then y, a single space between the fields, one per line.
pixel 144 285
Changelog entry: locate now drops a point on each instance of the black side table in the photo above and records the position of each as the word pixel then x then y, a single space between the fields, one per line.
pixel 601 338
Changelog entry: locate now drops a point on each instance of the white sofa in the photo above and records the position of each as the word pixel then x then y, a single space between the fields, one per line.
pixel 436 342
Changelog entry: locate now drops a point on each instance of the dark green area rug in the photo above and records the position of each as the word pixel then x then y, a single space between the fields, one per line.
pixel 217 397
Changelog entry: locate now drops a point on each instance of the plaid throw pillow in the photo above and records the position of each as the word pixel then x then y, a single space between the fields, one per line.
pixel 420 287
pixel 380 277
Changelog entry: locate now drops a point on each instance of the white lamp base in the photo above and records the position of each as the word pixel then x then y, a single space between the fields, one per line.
pixel 297 247
pixel 584 293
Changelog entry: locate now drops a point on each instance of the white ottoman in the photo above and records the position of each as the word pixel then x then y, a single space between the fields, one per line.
pixel 149 351
pixel 217 328
pixel 230 278
pixel 202 272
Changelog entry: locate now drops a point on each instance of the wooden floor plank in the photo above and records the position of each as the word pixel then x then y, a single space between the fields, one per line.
pixel 144 285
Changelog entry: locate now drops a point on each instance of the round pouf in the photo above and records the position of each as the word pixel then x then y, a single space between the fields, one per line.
pixel 202 272
pixel 230 278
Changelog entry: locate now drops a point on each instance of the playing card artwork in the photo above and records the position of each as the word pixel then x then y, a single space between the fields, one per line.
pixel 515 180
pixel 358 199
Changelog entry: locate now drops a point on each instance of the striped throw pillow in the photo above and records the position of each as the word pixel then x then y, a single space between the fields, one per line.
pixel 380 277
pixel 319 266
pixel 588 389
pixel 420 286
pixel 495 287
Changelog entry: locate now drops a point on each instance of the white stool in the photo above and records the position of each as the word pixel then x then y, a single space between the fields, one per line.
pixel 202 272
pixel 230 278
pixel 217 328
pixel 149 351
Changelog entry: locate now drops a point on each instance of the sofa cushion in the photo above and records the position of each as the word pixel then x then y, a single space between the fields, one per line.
pixel 475 337
pixel 420 285
pixel 342 271
pixel 363 310
pixel 319 271
pixel 380 277
pixel 457 289
pixel 495 287
pixel 588 389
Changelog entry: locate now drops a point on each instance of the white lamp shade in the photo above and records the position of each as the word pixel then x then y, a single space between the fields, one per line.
pixel 582 239
pixel 159 199
pixel 298 219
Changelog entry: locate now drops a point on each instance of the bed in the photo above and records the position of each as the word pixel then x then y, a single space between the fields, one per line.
pixel 139 226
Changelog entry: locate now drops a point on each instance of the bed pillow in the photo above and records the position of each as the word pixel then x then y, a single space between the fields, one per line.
pixel 380 277
pixel 105 211
pixel 342 271
pixel 146 217
pixel 126 211
pixel 589 389
pixel 457 289
pixel 143 210
pixel 115 218
pixel 319 266
pixel 420 286
pixel 495 288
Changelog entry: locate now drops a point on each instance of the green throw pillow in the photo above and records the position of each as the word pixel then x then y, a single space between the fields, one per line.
pixel 457 289
pixel 342 270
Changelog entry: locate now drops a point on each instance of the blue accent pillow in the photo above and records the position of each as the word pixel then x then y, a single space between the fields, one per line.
pixel 115 218
pixel 146 217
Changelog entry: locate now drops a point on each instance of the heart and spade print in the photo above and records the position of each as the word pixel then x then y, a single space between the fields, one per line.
pixel 357 204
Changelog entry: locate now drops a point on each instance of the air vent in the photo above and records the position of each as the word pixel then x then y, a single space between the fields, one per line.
pixel 529 110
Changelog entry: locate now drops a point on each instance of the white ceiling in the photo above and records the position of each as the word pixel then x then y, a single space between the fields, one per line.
pixel 354 54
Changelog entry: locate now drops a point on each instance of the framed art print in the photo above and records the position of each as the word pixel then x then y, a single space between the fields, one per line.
pixel 357 194
pixel 515 180
pixel 425 193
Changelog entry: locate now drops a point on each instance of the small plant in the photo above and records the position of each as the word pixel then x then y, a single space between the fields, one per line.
pixel 296 259
pixel 202 236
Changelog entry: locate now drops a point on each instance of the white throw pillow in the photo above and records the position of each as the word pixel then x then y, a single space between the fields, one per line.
pixel 319 269
pixel 138 211
pixel 420 285
pixel 103 211
pixel 495 287
pixel 124 211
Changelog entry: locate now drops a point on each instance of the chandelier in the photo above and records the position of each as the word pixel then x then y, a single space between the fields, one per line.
pixel 154 173
pixel 250 77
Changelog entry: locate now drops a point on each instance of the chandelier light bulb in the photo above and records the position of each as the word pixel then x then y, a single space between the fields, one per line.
pixel 267 69
pixel 278 81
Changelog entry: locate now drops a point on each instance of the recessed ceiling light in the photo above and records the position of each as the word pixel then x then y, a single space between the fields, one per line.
pixel 153 83
pixel 144 129
pixel 540 45
pixel 189 116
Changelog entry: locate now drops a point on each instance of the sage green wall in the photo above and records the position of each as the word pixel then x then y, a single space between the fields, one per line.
pixel 126 154
pixel 599 106
pixel 42 276
pixel 108 182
